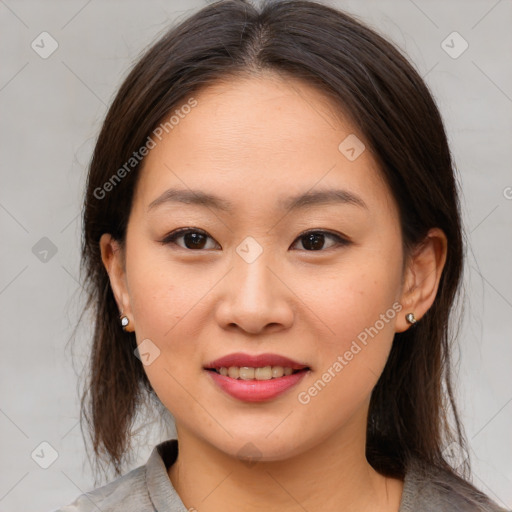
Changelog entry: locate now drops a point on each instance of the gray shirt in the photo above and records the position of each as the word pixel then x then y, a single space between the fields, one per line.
pixel 149 489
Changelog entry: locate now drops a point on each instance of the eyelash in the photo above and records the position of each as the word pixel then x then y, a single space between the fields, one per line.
pixel 173 236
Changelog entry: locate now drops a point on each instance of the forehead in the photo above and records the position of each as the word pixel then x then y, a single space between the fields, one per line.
pixel 257 139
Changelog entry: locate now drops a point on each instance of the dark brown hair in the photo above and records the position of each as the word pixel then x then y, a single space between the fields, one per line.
pixel 412 411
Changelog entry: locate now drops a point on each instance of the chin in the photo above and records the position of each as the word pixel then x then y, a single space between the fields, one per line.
pixel 259 446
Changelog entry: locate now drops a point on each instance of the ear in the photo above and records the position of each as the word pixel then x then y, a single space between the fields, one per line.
pixel 422 275
pixel 113 259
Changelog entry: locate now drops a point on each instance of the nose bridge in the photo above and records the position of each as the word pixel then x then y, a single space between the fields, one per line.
pixel 254 297
pixel 251 273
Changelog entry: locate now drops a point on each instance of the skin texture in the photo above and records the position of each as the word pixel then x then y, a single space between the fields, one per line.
pixel 252 141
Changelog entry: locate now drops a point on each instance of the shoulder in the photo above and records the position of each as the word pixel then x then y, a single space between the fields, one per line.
pixel 146 488
pixel 428 488
pixel 127 493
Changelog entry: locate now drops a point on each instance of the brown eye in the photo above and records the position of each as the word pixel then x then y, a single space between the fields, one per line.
pixel 192 239
pixel 196 239
pixel 315 240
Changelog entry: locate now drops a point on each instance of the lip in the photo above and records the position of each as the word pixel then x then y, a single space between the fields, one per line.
pixel 256 390
pixel 255 361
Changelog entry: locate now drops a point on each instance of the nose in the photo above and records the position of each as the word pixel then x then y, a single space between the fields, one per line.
pixel 255 297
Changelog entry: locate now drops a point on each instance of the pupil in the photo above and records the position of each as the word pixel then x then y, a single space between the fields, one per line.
pixel 315 239
pixel 194 239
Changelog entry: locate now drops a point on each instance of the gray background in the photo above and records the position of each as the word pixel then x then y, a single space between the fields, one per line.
pixel 51 113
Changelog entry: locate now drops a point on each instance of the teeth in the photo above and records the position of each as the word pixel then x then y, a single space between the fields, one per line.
pixel 264 373
pixel 247 373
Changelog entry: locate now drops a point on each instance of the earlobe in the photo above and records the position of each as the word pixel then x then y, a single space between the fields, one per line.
pixel 113 260
pixel 423 274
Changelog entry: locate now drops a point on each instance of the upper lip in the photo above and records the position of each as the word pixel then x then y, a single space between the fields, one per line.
pixel 255 361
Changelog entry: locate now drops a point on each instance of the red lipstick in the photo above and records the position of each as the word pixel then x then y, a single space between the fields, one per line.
pixel 254 390
pixel 255 361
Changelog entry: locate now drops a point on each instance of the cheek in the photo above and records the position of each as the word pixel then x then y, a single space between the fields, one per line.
pixel 353 359
pixel 359 308
pixel 161 297
pixel 356 297
pixel 161 293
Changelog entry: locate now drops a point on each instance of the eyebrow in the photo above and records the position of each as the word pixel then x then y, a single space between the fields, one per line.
pixel 310 198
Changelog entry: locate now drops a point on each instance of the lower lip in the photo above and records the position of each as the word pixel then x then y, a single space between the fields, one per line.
pixel 256 390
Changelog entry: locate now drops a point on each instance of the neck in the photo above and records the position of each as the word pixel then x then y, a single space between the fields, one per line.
pixel 334 472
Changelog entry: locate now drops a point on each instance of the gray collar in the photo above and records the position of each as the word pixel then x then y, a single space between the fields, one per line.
pixel 426 489
pixel 162 494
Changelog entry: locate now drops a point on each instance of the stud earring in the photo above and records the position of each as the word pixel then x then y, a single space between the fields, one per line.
pixel 410 318
pixel 124 322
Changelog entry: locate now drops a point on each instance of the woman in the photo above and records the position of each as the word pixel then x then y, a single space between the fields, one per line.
pixel 273 247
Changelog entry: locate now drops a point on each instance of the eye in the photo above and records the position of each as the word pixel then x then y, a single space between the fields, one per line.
pixel 192 238
pixel 314 240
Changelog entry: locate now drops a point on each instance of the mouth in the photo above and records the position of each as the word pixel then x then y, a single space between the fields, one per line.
pixel 260 373
pixel 256 378
pixel 255 367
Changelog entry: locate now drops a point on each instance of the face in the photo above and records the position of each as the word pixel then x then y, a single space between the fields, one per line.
pixel 318 281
